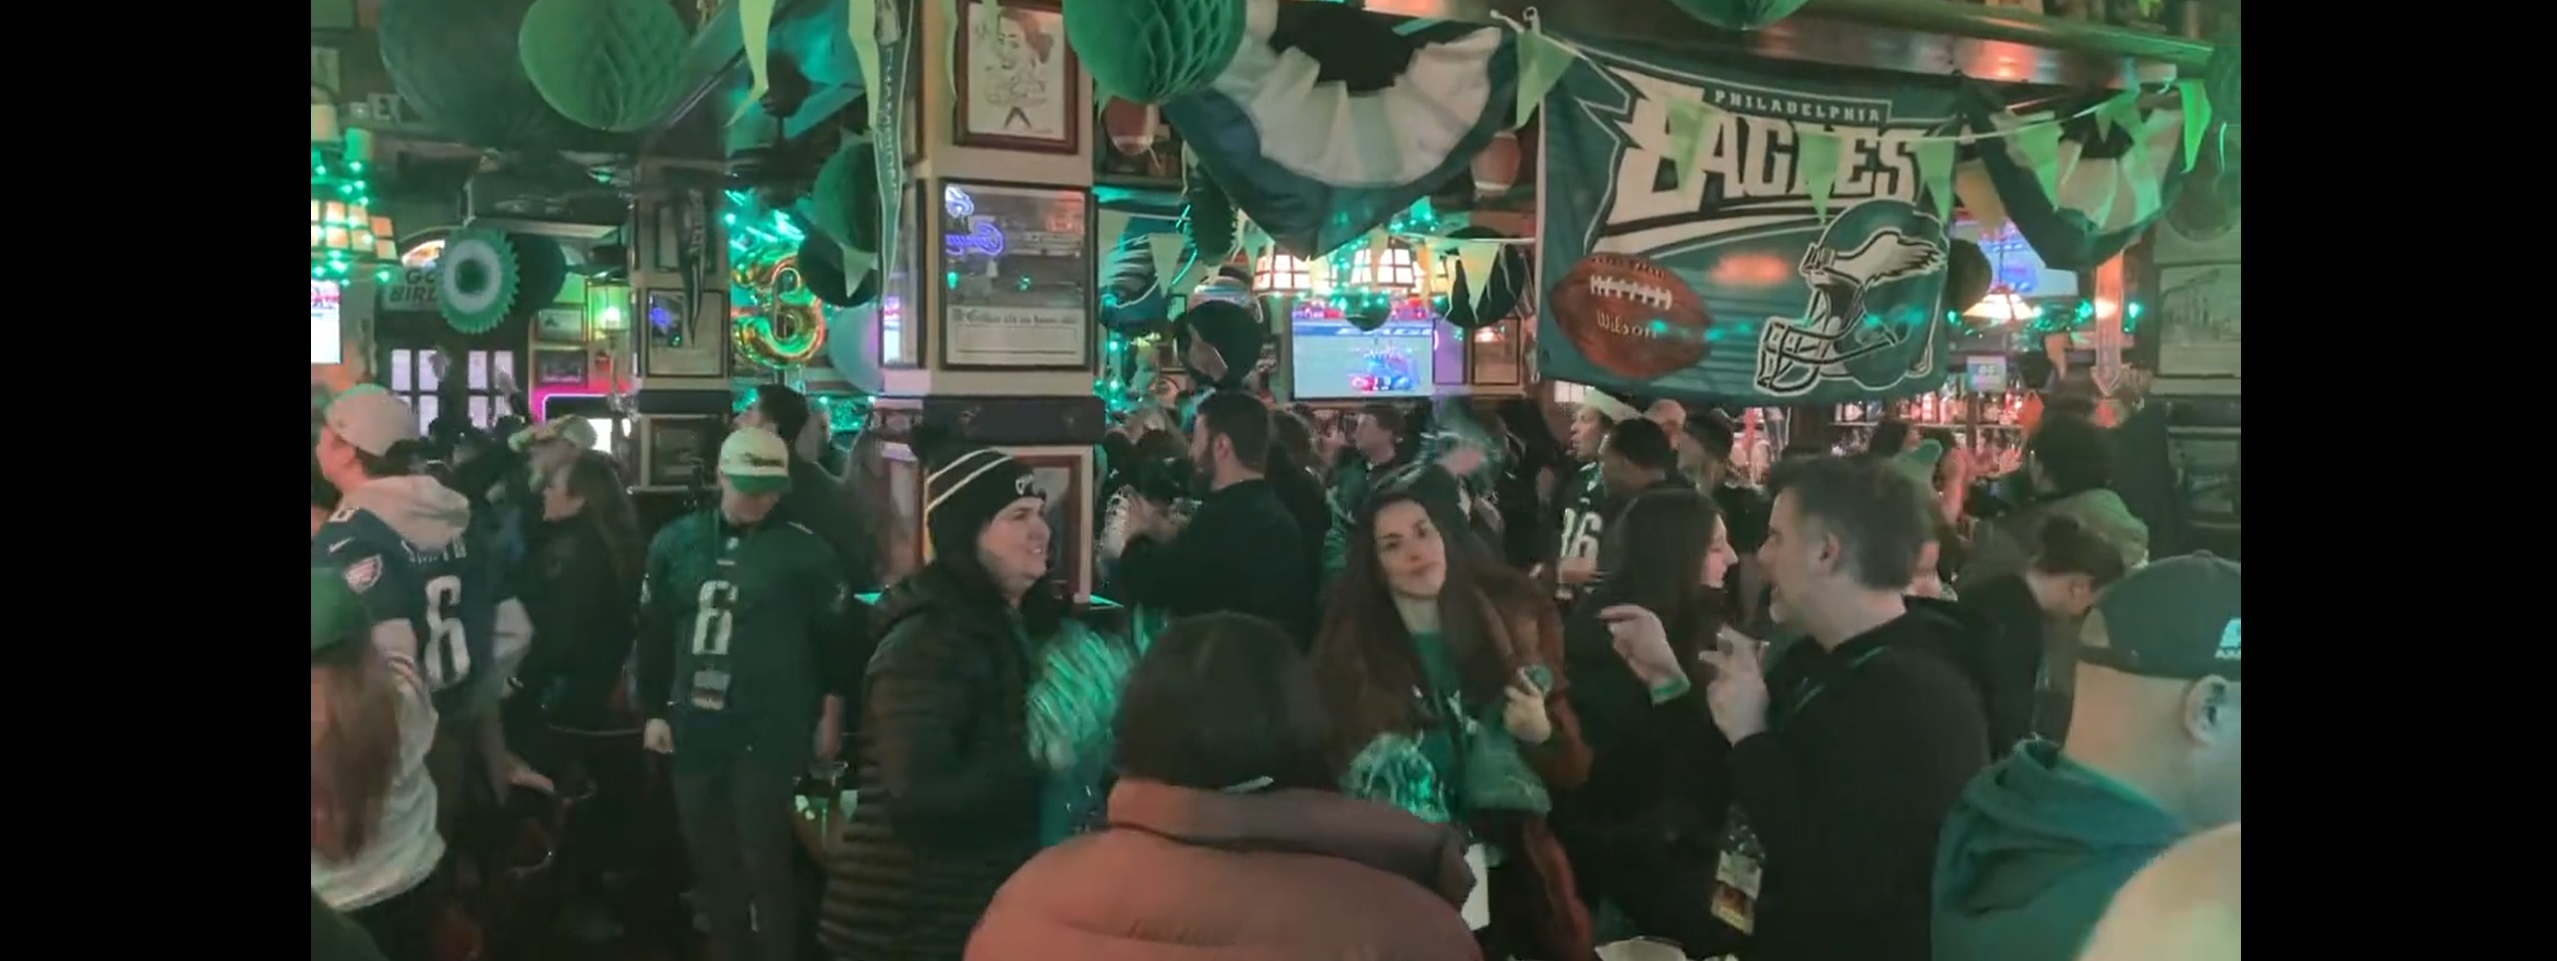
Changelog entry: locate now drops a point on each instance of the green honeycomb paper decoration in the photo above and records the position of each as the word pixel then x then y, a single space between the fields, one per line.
pixel 844 202
pixel 1150 51
pixel 1739 14
pixel 454 63
pixel 613 65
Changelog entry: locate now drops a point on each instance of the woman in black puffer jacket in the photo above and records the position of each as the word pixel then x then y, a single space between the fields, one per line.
pixel 950 795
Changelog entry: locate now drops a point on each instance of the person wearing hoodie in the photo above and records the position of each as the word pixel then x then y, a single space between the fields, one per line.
pixel 2040 843
pixel 1227 829
pixel 2067 473
pixel 1847 750
pixel 433 594
pixel 746 653
pixel 953 792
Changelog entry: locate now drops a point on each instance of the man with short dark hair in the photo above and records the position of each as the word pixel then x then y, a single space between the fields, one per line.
pixel 1241 551
pixel 2068 471
pixel 1377 445
pixel 1848 750
pixel 1635 457
pixel 817 500
pixel 2042 841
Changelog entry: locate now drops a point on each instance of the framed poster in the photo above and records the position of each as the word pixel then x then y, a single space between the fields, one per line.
pixel 1060 477
pixel 676 451
pixel 2207 459
pixel 2198 321
pixel 682 339
pixel 560 326
pixel 559 368
pixel 1019 85
pixel 1019 278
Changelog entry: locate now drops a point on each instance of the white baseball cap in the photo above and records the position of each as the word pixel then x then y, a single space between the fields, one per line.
pixel 755 461
pixel 371 419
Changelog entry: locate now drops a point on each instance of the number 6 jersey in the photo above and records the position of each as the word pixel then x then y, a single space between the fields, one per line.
pixel 399 543
pixel 743 631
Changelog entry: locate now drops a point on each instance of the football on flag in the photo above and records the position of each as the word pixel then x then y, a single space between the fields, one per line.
pixel 1630 316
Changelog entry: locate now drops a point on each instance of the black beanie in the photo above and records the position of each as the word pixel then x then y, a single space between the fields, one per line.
pixel 1235 335
pixel 967 486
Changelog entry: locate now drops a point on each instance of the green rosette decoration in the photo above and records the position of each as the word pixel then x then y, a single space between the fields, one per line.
pixel 475 282
pixel 1151 51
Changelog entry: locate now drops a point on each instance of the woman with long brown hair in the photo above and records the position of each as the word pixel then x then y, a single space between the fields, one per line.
pixel 1644 831
pixel 374 846
pixel 1437 661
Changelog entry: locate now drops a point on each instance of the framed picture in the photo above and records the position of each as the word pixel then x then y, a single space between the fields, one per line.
pixel 563 326
pixel 1019 86
pixel 676 451
pixel 1060 478
pixel 559 368
pixel 2199 321
pixel 682 340
pixel 1017 263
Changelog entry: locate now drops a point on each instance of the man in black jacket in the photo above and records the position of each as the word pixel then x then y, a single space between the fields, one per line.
pixel 1242 551
pixel 1846 752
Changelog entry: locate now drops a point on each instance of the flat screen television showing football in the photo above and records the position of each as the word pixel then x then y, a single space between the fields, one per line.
pixel 1337 361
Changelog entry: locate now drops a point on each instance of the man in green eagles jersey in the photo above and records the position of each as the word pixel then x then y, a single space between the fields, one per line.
pixel 747 652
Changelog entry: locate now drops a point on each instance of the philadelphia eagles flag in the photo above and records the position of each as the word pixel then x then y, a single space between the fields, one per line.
pixel 1745 231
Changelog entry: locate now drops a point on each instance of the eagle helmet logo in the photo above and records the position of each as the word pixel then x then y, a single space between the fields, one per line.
pixel 1867 248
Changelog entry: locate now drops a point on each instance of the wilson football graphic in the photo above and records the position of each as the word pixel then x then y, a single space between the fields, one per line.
pixel 1631 317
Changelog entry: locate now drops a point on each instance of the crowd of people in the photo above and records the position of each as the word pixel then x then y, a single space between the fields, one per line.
pixel 1413 682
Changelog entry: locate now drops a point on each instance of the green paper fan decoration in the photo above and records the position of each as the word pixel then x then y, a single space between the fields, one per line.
pixel 844 201
pixel 1150 51
pixel 475 282
pixel 615 65
pixel 1739 14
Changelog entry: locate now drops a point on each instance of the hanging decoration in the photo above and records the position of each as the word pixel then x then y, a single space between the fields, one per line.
pixel 2082 185
pixel 1739 14
pixel 1967 275
pixel 844 202
pixel 475 280
pixel 1488 280
pixel 821 265
pixel 613 65
pixel 1150 51
pixel 1428 95
pixel 346 236
pixel 455 63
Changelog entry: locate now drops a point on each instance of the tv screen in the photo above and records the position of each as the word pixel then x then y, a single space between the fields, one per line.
pixel 1337 361
pixel 2018 268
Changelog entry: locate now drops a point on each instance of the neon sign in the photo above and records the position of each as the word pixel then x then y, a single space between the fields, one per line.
pixel 983 237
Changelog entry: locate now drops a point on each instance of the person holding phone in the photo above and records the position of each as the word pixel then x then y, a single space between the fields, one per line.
pixel 1436 659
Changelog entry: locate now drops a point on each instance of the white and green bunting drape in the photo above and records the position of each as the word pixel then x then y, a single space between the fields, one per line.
pixel 1317 160
pixel 2081 182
